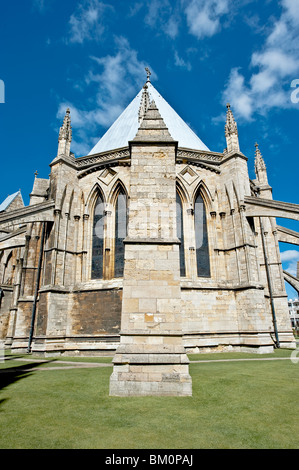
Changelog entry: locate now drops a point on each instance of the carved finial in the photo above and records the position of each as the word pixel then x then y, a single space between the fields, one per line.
pixel 230 125
pixel 231 131
pixel 259 161
pixel 144 103
pixel 36 173
pixel 65 135
pixel 148 72
pixel 66 128
pixel 258 152
pixel 260 166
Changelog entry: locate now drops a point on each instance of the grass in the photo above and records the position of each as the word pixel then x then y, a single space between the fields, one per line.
pixel 277 353
pixel 247 404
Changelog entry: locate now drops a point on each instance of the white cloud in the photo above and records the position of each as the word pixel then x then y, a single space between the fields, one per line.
pixel 87 21
pixel 289 255
pixel 172 27
pixel 157 9
pixel 289 260
pixel 271 69
pixel 80 147
pixel 275 61
pixel 204 16
pixel 116 78
pixel 134 9
pixel 180 62
pixel 41 5
pixel 237 94
pixel 162 16
pixel 292 10
pixel 78 117
pixel 121 75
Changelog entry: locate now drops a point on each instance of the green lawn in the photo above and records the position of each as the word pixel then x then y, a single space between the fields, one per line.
pixel 248 404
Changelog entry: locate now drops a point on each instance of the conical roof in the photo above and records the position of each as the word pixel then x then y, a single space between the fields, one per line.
pixel 6 203
pixel 125 128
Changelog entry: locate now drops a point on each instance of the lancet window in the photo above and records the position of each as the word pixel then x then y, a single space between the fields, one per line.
pixel 98 240
pixel 120 233
pixel 180 233
pixel 201 238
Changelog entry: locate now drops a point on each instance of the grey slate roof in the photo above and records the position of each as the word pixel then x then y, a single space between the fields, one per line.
pixel 6 203
pixel 125 128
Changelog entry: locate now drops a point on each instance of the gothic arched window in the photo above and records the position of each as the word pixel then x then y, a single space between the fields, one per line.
pixel 180 233
pixel 98 240
pixel 201 238
pixel 120 233
pixel 8 270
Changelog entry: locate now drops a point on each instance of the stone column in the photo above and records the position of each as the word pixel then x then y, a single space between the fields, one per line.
pixel 151 359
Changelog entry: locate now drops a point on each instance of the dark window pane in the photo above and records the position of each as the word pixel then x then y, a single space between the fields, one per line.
pixel 98 240
pixel 180 233
pixel 201 237
pixel 120 233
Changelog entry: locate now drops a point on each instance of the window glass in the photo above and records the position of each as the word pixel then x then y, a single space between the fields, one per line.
pixel 180 233
pixel 120 233
pixel 201 237
pixel 98 240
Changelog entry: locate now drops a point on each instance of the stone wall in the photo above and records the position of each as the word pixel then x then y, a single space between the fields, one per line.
pixel 229 308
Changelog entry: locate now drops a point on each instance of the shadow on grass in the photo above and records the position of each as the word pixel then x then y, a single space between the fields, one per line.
pixel 12 358
pixel 13 374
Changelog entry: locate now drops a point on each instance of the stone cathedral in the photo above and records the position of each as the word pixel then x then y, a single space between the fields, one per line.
pixel 150 247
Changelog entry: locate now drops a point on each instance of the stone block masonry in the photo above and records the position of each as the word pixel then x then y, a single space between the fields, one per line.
pixel 151 358
pixel 200 255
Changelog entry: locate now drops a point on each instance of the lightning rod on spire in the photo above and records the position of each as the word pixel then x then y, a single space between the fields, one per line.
pixel 148 72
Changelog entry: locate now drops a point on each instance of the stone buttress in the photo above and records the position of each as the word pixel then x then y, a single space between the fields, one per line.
pixel 151 359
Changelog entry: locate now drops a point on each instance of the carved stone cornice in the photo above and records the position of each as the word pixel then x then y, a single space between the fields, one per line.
pixel 208 160
pixel 91 160
pixel 91 163
pixel 108 159
pixel 200 155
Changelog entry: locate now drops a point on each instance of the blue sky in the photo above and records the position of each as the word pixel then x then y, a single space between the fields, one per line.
pixel 90 55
